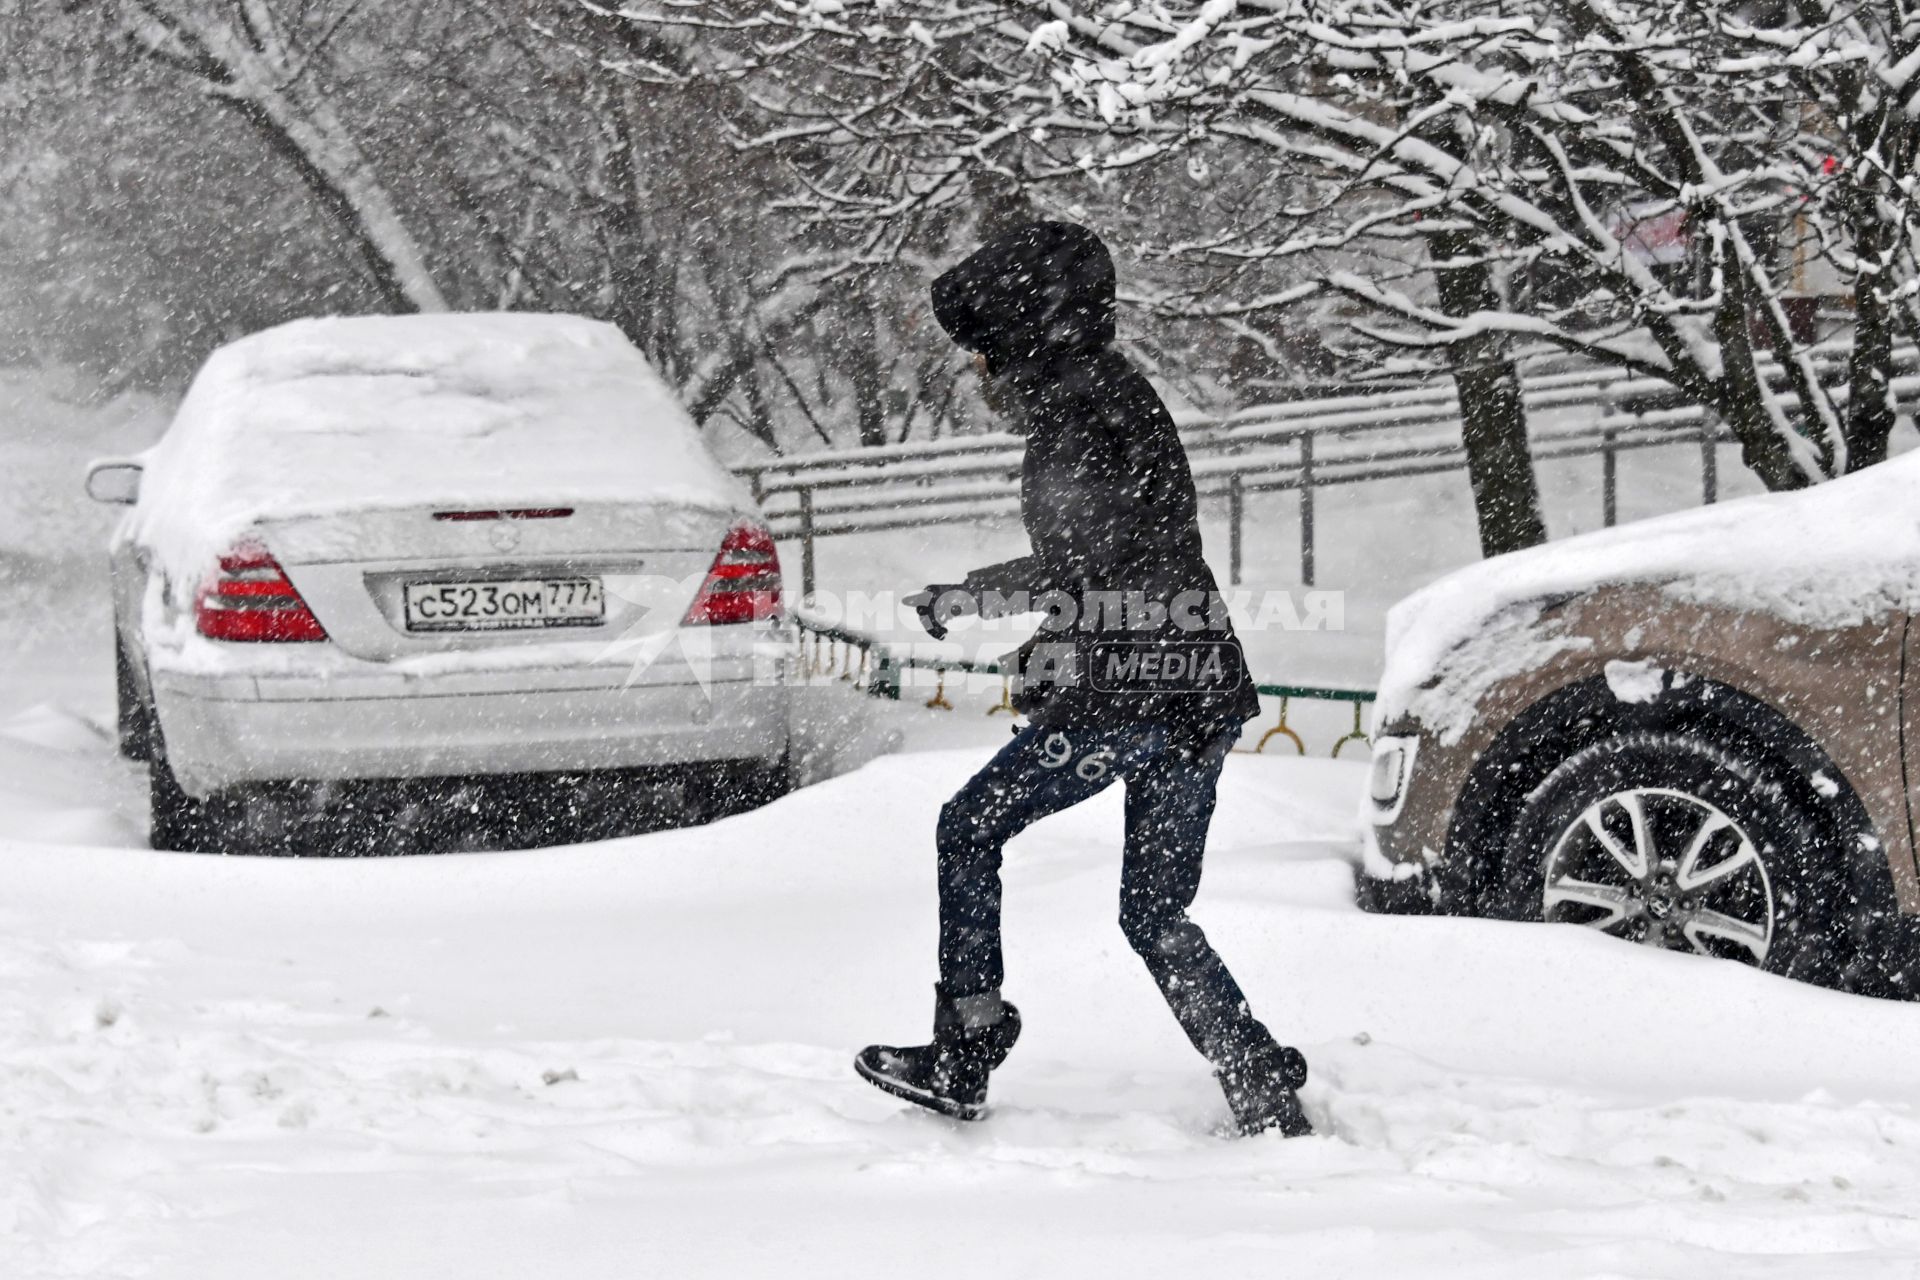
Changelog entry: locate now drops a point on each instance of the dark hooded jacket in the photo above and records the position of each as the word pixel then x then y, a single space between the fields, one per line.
pixel 1106 495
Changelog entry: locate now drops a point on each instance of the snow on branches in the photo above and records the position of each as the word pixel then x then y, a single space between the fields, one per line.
pixel 1667 189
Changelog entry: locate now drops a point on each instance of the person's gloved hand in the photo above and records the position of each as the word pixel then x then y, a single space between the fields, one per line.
pixel 940 604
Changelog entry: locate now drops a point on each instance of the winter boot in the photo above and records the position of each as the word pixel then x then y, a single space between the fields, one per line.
pixel 1261 1089
pixel 971 1036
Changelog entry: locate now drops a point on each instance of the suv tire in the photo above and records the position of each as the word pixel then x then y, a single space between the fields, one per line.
pixel 1666 839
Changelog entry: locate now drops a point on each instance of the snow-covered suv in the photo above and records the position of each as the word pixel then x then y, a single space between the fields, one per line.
pixel 433 547
pixel 1695 732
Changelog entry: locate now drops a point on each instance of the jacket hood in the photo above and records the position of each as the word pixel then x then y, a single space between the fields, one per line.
pixel 1037 290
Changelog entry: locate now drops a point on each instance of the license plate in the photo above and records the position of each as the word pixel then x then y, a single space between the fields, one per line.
pixel 504 605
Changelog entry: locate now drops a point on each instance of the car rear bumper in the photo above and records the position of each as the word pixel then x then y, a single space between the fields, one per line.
pixel 222 732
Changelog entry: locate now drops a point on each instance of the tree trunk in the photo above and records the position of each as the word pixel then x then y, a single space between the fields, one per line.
pixel 1870 406
pixel 341 178
pixel 865 370
pixel 1744 393
pixel 1493 417
pixel 1870 412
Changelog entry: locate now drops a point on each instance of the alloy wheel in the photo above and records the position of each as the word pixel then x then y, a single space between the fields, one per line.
pixel 1664 869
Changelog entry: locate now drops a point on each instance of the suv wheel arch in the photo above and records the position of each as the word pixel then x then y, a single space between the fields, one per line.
pixel 1472 878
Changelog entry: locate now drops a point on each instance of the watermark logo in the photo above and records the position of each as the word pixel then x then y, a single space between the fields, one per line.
pixel 895 616
pixel 1180 666
pixel 1114 640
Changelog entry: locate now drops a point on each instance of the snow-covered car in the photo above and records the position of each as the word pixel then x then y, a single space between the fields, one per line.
pixel 1695 732
pixel 434 547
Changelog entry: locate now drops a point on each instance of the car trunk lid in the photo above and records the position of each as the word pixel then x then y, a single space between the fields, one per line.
pixel 645 563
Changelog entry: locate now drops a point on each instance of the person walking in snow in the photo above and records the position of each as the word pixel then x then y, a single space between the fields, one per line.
pixel 1136 677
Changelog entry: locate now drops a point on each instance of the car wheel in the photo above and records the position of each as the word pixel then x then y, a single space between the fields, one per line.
pixel 757 783
pixel 177 822
pixel 135 719
pixel 723 788
pixel 1669 841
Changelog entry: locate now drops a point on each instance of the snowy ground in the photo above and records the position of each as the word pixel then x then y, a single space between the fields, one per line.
pixel 632 1059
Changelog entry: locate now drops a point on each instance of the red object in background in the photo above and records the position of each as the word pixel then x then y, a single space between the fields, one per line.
pixel 251 600
pixel 1803 317
pixel 744 583
pixel 1654 233
pixel 1803 321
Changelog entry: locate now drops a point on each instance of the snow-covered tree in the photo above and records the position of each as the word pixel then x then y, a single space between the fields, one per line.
pixel 1546 139
pixel 265 60
pixel 180 172
pixel 1846 73
pixel 1468 179
pixel 908 109
pixel 755 190
pixel 144 225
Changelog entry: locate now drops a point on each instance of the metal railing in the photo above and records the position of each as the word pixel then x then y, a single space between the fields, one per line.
pixel 831 652
pixel 1299 447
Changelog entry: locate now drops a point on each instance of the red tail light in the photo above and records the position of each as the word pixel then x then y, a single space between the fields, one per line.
pixel 744 583
pixel 250 599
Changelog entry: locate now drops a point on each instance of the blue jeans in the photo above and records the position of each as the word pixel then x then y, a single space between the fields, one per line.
pixel 1170 799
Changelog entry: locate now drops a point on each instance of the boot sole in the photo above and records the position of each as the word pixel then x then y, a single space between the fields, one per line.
pixel 920 1097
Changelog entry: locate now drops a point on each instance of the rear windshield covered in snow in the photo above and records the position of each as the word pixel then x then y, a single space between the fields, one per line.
pixel 461 375
pixel 371 412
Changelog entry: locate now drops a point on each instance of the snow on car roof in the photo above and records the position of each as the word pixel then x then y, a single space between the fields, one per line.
pixel 1839 554
pixel 481 410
